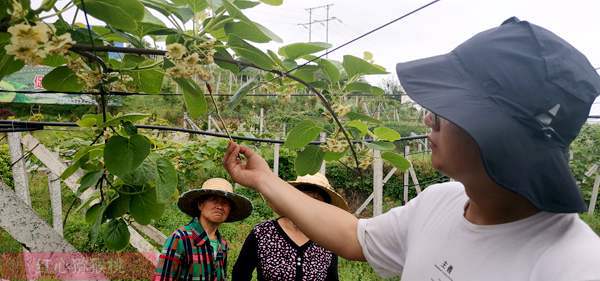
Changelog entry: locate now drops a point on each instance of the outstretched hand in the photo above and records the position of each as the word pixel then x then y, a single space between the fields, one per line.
pixel 246 172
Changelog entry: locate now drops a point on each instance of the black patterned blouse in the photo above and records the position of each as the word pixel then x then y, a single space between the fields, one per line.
pixel 276 257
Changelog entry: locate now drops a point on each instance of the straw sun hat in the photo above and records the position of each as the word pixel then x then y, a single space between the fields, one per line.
pixel 320 182
pixel 241 207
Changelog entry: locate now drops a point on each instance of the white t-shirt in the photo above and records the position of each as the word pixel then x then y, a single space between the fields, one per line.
pixel 429 239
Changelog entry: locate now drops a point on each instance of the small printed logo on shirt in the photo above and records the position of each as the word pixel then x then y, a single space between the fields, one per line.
pixel 445 268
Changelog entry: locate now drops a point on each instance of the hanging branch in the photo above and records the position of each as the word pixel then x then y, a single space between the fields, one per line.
pixel 217 110
pixel 279 73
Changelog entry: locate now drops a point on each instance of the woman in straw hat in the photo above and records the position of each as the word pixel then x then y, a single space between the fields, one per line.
pixel 197 251
pixel 280 251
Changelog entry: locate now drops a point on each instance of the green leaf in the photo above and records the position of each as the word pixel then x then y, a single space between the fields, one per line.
pixel 166 184
pixel 121 14
pixel 251 31
pixel 359 116
pixel 144 207
pixel 333 156
pixel 234 11
pixel 360 87
pixel 302 134
pixel 306 73
pixel 309 160
pixel 93 213
pixel 117 207
pixel 94 216
pixel 62 79
pixel 249 52
pixel 296 50
pixel 122 155
pixel 241 92
pixel 47 5
pixel 131 117
pixel 193 96
pixel 330 69
pixel 143 174
pixel 115 234
pixel 381 145
pixel 88 180
pixel 360 125
pixel 243 4
pixel 8 64
pixel 55 60
pixel 357 66
pixel 222 54
pixel 376 91
pixel 385 133
pixel 90 120
pixel 272 2
pixel 396 160
pixel 79 158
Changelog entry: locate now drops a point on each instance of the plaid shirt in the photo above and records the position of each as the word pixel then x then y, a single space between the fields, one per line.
pixel 188 255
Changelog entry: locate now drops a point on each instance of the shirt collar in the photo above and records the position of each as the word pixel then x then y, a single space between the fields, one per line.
pixel 200 236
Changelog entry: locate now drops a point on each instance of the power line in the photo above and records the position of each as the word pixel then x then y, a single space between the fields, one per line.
pixel 37 125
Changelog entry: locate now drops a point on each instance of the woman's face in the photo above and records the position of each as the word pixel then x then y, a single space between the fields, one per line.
pixel 314 194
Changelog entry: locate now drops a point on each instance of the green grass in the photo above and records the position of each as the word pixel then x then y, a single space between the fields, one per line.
pixel 76 230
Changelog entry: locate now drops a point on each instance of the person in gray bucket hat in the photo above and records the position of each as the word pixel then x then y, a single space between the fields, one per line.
pixel 503 108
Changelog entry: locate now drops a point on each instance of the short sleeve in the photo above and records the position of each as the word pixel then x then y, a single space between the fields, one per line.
pixel 384 239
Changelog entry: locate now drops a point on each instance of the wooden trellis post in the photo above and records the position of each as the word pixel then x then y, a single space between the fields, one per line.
pixel 322 138
pixel 44 244
pixel 593 171
pixel 55 201
pixel 20 178
pixel 276 148
pixel 261 122
pixel 377 183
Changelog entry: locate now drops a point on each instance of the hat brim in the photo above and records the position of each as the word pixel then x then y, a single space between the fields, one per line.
pixel 512 155
pixel 241 207
pixel 336 199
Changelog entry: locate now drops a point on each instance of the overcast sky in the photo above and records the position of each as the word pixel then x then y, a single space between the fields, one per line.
pixel 434 30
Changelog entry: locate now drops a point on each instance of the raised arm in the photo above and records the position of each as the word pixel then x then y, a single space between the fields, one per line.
pixel 331 227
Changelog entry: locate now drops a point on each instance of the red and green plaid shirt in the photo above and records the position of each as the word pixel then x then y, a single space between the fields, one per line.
pixel 188 255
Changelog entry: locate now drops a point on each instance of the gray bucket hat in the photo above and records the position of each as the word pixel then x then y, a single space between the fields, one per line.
pixel 522 93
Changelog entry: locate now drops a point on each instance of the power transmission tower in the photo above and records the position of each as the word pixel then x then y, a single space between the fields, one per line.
pixel 326 20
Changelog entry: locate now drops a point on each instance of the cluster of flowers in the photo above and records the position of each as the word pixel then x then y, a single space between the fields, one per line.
pixel 115 81
pixel 335 145
pixel 16 12
pixel 190 64
pixel 365 161
pixel 339 109
pixel 32 44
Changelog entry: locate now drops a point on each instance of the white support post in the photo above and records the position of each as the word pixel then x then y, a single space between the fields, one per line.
pixel 370 198
pixel 594 198
pixel 413 176
pixel 20 178
pixel 377 183
pixel 406 174
pixel 261 124
pixel 55 202
pixel 276 148
pixel 215 123
pixel 218 83
pixel 322 138
pixel 42 242
pixel 208 122
pixel 57 166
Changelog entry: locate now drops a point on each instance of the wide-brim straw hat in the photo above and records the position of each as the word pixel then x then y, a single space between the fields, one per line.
pixel 320 182
pixel 241 207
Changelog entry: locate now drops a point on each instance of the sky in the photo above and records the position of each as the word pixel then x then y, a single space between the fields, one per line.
pixel 434 30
